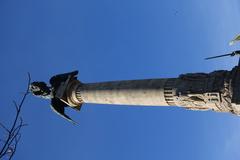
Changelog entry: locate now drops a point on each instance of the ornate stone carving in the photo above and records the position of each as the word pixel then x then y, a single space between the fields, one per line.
pixel 201 91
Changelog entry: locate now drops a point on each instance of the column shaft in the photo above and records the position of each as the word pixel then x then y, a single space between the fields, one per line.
pixel 132 92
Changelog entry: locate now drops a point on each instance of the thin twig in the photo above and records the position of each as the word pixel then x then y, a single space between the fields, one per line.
pixel 14 135
pixel 4 127
pixel 15 146
pixel 16 106
pixel 12 139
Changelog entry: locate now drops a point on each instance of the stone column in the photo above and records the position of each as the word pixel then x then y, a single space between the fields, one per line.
pixel 218 91
pixel 148 92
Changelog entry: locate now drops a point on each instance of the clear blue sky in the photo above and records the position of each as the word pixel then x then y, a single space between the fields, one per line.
pixel 117 40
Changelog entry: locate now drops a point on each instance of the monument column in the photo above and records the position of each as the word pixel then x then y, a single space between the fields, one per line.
pixel 195 91
pixel 148 92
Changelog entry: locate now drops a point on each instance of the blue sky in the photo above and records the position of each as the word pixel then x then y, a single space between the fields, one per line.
pixel 117 40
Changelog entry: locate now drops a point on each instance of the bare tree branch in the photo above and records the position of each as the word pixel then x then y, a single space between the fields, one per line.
pixel 15 146
pixel 16 106
pixel 13 134
pixel 3 126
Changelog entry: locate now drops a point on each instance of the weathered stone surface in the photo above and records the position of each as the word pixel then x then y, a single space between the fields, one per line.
pixel 218 91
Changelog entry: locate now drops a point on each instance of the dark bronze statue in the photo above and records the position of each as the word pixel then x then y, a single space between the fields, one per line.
pixel 40 89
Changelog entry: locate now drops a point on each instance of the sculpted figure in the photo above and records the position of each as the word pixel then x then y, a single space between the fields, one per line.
pixel 40 89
